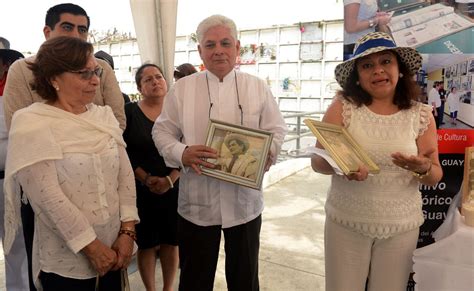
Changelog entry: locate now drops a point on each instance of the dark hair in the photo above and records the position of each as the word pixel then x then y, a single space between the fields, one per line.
pixel 139 73
pixel 239 139
pixel 56 56
pixel 184 70
pixel 406 90
pixel 5 43
pixel 240 142
pixel 54 13
pixel 105 57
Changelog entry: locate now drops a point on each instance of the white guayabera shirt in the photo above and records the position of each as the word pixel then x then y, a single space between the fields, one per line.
pixel 204 200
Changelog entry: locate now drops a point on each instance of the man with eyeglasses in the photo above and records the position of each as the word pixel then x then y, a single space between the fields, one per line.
pixel 207 206
pixel 61 20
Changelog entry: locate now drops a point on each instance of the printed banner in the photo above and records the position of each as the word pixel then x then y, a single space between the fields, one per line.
pixel 436 199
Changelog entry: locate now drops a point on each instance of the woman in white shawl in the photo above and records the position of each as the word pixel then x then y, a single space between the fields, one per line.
pixel 69 158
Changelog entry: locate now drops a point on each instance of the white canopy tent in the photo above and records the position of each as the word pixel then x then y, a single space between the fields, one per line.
pixel 155 27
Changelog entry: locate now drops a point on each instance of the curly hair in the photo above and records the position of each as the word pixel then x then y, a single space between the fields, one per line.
pixel 406 91
pixel 55 57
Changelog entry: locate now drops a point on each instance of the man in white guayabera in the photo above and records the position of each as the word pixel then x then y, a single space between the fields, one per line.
pixel 206 205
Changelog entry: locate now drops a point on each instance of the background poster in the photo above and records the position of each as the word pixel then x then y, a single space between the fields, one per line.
pixel 436 199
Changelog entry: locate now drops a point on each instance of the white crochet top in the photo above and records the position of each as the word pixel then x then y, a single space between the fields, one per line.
pixel 387 203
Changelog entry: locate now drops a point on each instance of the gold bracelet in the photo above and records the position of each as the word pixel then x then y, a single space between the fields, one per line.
pixel 170 181
pixel 128 228
pixel 131 234
pixel 422 175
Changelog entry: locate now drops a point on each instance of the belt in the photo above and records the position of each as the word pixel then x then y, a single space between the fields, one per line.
pixel 2 175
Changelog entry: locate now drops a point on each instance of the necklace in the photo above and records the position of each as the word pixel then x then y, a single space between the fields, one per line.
pixel 238 98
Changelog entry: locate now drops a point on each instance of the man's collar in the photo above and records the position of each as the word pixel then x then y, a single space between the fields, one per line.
pixel 228 77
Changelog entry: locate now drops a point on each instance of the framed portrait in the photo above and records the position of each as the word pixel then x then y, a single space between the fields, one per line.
pixel 457 82
pixel 447 72
pixel 471 66
pixel 464 68
pixel 465 83
pixel 242 153
pixel 341 146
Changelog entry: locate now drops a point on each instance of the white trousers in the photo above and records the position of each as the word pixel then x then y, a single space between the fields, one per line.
pixel 351 258
pixel 16 263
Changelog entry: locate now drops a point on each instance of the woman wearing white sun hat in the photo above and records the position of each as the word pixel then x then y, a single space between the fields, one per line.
pixel 373 222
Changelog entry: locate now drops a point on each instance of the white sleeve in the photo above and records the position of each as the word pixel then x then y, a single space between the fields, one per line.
pixel 126 188
pixel 272 120
pixel 347 2
pixel 40 184
pixel 166 132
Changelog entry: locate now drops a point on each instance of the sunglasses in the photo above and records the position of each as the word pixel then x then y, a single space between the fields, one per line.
pixel 87 74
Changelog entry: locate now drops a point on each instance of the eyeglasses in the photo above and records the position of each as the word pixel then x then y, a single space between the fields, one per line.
pixel 87 74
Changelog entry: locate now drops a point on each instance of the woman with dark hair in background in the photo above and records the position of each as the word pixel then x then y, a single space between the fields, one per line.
pixel 69 157
pixel 157 185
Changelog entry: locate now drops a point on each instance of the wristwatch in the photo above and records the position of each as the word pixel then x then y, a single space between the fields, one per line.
pixel 422 175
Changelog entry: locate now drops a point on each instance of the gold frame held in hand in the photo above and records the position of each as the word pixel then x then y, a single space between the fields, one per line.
pixel 341 146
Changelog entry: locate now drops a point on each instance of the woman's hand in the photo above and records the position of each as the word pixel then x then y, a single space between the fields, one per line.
pixel 360 175
pixel 383 18
pixel 269 162
pixel 419 164
pixel 123 246
pixel 158 185
pixel 102 258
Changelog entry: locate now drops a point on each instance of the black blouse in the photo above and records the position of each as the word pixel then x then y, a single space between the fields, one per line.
pixel 140 146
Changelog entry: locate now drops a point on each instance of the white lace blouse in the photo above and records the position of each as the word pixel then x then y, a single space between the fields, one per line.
pixel 76 199
pixel 390 202
pixel 76 174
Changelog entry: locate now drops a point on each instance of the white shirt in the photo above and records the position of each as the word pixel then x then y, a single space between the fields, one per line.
pixel 75 201
pixel 453 101
pixel 433 96
pixel 204 200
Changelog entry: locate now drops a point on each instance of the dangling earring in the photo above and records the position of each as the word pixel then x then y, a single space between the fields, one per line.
pixel 400 75
pixel 357 83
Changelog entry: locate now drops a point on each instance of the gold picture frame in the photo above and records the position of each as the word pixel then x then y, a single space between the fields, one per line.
pixel 341 146
pixel 242 153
